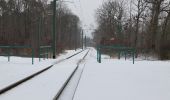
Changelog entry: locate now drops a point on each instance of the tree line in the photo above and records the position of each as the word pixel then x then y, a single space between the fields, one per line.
pixel 25 22
pixel 142 24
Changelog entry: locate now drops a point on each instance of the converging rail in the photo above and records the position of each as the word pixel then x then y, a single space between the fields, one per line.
pixel 23 80
pixel 8 88
pixel 69 79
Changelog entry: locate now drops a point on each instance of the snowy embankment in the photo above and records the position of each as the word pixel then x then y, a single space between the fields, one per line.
pixel 46 85
pixel 121 80
pixel 19 68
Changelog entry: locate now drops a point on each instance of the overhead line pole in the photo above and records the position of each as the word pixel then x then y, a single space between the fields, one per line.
pixel 54 29
pixel 82 39
pixel 85 41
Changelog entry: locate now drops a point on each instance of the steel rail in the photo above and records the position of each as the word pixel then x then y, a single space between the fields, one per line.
pixel 57 96
pixel 17 83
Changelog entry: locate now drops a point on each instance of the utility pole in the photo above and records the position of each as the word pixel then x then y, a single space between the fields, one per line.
pixel 39 33
pixel 75 41
pixel 82 39
pixel 85 42
pixel 54 29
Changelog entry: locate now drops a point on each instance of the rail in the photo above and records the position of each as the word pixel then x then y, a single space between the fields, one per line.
pixel 17 83
pixel 69 78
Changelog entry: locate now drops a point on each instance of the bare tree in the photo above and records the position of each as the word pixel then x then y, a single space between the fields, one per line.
pixel 109 18
pixel 141 6
pixel 23 21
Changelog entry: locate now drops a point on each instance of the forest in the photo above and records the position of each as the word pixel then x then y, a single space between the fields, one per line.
pixel 141 24
pixel 22 22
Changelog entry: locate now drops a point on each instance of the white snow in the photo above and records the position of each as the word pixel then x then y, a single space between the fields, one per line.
pixel 112 79
pixel 46 85
pixel 19 68
pixel 70 90
pixel 121 80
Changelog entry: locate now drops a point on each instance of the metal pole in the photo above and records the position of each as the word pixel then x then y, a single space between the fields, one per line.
pixel 54 29
pixel 8 54
pixel 133 56
pixel 82 39
pixel 32 56
pixel 85 42
pixel 119 54
pixel 47 52
pixel 39 31
pixel 125 54
pixel 99 55
pixel 76 42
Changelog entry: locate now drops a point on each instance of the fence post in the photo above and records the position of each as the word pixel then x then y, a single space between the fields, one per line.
pixel 99 55
pixel 47 52
pixel 133 56
pixel 125 54
pixel 39 54
pixel 8 53
pixel 32 56
pixel 119 54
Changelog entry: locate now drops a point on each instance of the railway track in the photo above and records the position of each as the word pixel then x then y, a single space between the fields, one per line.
pixel 24 80
pixel 69 79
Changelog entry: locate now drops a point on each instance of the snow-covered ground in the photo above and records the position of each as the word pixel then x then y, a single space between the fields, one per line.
pixel 46 85
pixel 112 79
pixel 121 80
pixel 70 90
pixel 19 68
